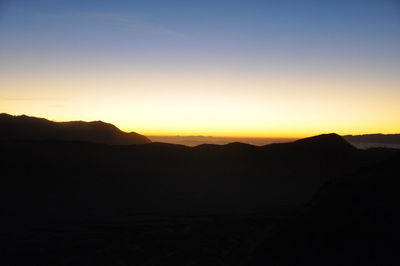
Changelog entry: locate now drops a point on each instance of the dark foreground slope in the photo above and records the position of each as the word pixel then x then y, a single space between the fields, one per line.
pixel 32 128
pixel 353 220
pixel 78 203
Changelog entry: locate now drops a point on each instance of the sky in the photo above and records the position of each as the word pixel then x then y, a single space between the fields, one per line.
pixel 276 68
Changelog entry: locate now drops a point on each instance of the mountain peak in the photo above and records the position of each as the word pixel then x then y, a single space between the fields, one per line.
pixel 331 141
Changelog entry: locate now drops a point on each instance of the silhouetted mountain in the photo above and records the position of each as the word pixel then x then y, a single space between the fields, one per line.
pixel 326 141
pixel 32 128
pixel 374 140
pixel 80 203
pixel 197 140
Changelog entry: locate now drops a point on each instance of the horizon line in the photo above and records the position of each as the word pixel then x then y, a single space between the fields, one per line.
pixel 176 135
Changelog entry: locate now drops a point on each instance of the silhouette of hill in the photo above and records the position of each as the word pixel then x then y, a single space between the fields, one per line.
pixel 374 140
pixel 81 203
pixel 326 141
pixel 197 140
pixel 32 128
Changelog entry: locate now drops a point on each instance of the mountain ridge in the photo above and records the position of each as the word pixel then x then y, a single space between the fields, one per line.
pixel 374 138
pixel 25 127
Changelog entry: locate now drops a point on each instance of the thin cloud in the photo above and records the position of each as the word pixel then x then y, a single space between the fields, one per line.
pixel 122 21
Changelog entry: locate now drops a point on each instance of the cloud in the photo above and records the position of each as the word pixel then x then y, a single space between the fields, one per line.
pixel 129 22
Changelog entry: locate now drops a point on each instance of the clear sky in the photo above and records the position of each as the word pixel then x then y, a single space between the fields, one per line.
pixel 224 68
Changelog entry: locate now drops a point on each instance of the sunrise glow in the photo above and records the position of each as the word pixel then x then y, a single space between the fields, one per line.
pixel 145 70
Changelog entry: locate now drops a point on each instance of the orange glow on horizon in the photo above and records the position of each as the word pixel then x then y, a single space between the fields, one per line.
pixel 145 68
pixel 209 105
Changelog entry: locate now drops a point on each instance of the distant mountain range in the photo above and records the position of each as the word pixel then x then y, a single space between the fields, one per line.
pixel 374 140
pixel 198 140
pixel 359 141
pixel 31 128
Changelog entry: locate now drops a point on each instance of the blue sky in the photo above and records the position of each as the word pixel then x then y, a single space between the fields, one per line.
pixel 279 29
pixel 294 43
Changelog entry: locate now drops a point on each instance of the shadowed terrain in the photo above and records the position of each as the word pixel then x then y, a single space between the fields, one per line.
pixel 352 220
pixel 81 203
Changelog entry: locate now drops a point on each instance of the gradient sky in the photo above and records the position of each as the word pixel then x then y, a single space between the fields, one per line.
pixel 223 68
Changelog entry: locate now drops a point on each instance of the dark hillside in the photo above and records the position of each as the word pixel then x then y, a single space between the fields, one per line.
pixel 353 220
